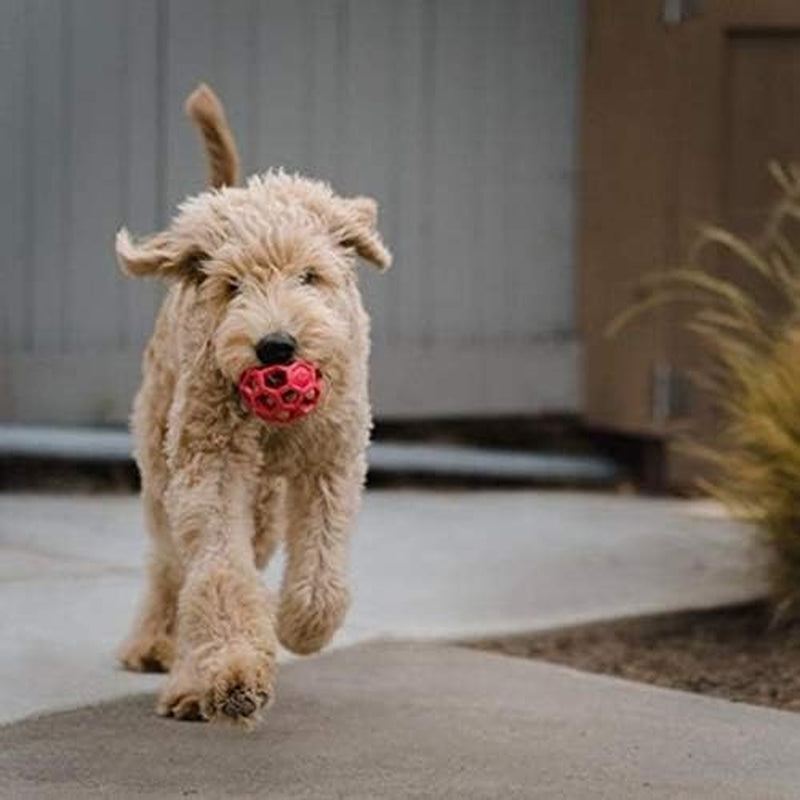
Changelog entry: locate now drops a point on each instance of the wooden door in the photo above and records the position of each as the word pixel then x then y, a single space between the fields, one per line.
pixel 684 105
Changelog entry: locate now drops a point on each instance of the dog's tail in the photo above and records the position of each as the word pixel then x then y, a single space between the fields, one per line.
pixel 205 108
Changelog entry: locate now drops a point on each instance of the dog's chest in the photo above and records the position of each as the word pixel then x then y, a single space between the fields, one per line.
pixel 297 450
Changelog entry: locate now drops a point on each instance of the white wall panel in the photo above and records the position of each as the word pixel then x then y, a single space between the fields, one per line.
pixel 459 116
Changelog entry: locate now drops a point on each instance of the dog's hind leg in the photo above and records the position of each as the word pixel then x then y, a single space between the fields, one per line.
pixel 150 645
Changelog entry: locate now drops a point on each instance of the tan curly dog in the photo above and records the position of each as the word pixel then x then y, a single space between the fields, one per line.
pixel 248 267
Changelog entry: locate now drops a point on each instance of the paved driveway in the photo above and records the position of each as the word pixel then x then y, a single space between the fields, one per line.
pixel 425 564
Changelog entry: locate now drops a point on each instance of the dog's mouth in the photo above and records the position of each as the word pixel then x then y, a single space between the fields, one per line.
pixel 281 393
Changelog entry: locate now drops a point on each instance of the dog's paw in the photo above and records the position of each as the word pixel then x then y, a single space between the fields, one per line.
pixel 232 683
pixel 147 652
pixel 307 619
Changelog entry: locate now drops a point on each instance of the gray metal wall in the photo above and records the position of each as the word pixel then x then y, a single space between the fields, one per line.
pixel 458 116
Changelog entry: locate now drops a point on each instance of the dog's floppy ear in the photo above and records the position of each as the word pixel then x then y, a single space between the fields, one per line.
pixel 357 228
pixel 159 255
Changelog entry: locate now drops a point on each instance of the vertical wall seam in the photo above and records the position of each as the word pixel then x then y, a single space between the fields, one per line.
pixel 481 176
pixel 427 163
pixel 310 150
pixel 215 45
pixel 508 170
pixel 253 157
pixel 343 97
pixel 68 135
pixel 162 117
pixel 517 298
pixel 161 95
pixel 394 222
pixel 27 262
pixel 124 196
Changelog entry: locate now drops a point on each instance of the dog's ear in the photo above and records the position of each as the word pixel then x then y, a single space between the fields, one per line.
pixel 357 228
pixel 159 255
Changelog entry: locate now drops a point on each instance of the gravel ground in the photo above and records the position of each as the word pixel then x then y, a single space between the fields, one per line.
pixel 734 653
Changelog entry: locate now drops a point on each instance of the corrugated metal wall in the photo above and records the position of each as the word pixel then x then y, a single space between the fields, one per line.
pixel 458 116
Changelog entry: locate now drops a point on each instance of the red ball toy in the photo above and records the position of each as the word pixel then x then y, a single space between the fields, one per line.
pixel 281 393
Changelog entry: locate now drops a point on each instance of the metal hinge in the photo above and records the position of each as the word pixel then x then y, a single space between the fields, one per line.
pixel 670 394
pixel 674 12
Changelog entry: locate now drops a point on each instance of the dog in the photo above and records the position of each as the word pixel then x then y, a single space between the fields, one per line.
pixel 258 274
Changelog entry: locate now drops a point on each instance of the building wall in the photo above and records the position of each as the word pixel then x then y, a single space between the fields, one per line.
pixel 459 117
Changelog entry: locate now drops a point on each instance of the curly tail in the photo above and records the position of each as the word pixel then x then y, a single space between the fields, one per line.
pixel 205 108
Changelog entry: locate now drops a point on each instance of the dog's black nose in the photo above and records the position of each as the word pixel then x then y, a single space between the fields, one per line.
pixel 276 348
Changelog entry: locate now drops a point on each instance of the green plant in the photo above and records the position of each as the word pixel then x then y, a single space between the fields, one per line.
pixel 754 337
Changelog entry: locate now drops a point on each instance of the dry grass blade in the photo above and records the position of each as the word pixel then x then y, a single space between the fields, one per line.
pixel 743 327
pixel 720 289
pixel 635 311
pixel 748 255
pixel 754 379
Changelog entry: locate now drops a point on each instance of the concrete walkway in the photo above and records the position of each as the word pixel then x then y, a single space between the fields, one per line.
pixel 418 721
pixel 425 565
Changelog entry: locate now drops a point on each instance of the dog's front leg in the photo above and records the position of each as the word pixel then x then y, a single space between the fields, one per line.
pixel 226 645
pixel 314 593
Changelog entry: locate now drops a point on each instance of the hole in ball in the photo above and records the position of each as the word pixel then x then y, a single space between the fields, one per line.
pixel 276 378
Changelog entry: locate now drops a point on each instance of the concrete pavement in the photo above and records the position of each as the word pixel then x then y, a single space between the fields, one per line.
pixel 391 720
pixel 432 565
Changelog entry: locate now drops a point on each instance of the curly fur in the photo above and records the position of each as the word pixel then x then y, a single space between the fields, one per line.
pixel 204 107
pixel 222 489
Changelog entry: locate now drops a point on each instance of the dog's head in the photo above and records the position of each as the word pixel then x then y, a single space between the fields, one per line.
pixel 273 266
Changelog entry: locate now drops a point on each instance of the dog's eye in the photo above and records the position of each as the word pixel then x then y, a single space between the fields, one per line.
pixel 308 277
pixel 234 285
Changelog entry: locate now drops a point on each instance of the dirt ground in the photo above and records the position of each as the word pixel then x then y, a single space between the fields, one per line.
pixel 734 653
